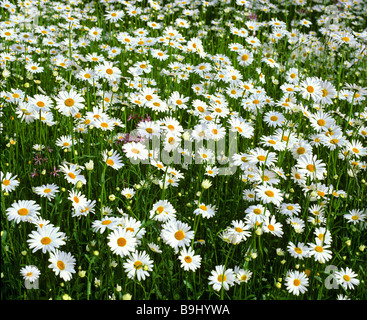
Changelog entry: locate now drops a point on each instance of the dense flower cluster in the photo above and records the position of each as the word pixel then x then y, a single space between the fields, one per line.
pixel 88 88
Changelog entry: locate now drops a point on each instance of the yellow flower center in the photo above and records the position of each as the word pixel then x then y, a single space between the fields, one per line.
pixel 23 211
pixel 45 240
pixel 319 249
pixel 69 102
pixel 121 242
pixel 296 282
pixel 310 89
pixel 257 211
pixel 138 265
pixel 298 250
pixel 222 278
pixel 61 265
pixel 269 193
pixel 346 277
pixel 179 235
pixel 188 259
pixel 71 175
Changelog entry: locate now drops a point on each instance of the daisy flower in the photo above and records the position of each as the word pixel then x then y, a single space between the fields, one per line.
pixel 105 123
pixel 239 230
pixel 8 182
pixel 221 277
pixel 189 261
pixel 177 234
pixel 62 263
pixel 249 195
pixel 134 226
pixel 207 211
pixel 256 213
pixel 108 71
pixel 321 121
pixel 40 102
pixel 270 225
pixel 355 216
pixel 178 100
pixel 292 75
pixel 23 211
pixel 290 209
pixel 77 198
pixel 154 247
pixel 262 157
pixel 269 194
pixel 72 173
pixel 356 148
pixel 320 251
pixel 85 209
pixel 138 264
pixel 310 88
pixel 323 235
pixel 34 67
pixel 300 148
pixel 86 75
pixel 105 223
pixel 162 211
pixel 274 118
pixel 47 190
pixel 47 239
pixel 112 159
pixel 242 275
pixel 245 57
pixel 297 224
pixel 310 166
pixel 328 92
pixel 299 251
pixel 114 16
pixel 136 151
pixel 30 273
pixel 128 193
pixel 296 282
pixel 347 278
pixel 148 129
pixel 69 103
pixel 65 142
pixel 121 242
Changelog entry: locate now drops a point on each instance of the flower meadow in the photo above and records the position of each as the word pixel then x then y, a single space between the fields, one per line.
pixel 183 150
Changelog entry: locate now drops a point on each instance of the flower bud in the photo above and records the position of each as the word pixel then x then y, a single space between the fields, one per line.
pixel 89 165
